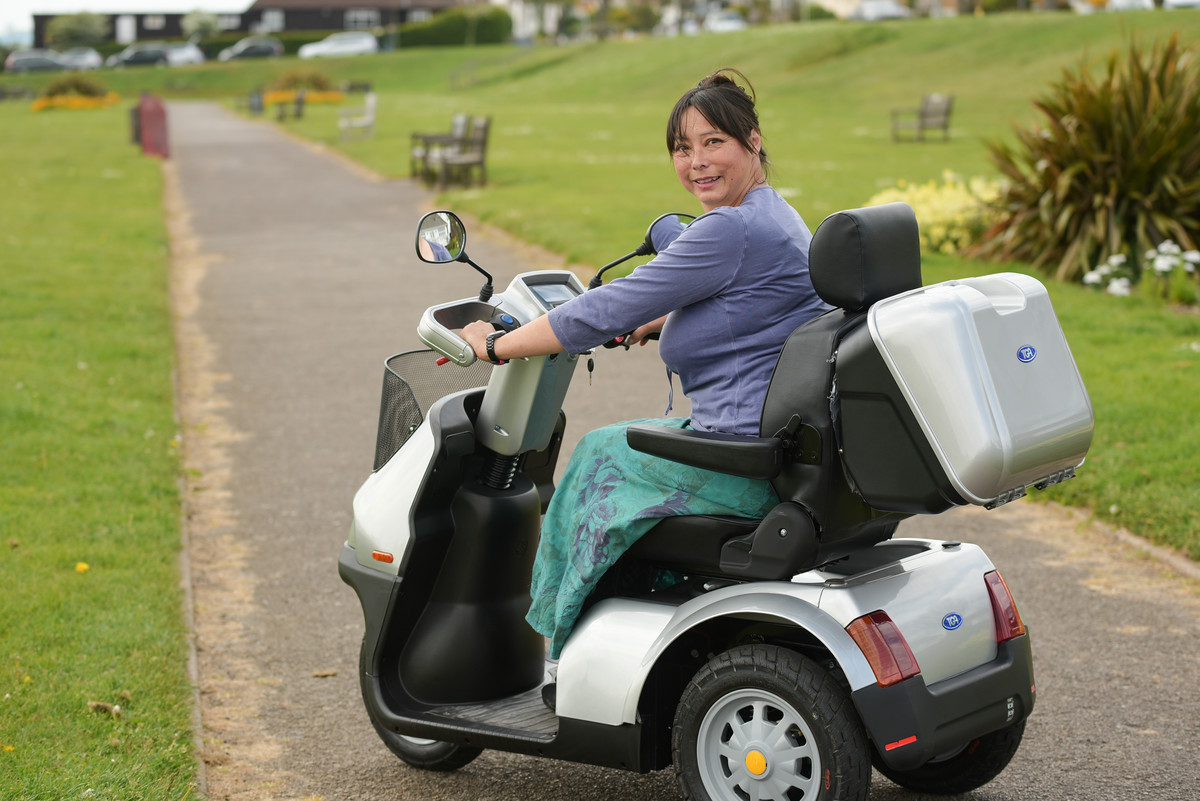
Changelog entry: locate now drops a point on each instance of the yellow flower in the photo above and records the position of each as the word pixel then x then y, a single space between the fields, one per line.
pixel 82 567
pixel 10 748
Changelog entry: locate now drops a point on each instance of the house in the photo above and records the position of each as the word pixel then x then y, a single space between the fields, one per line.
pixel 269 16
pixel 328 15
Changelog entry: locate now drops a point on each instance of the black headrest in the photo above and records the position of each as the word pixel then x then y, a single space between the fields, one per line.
pixel 863 255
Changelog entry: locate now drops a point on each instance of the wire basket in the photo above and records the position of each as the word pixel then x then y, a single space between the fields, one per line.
pixel 412 382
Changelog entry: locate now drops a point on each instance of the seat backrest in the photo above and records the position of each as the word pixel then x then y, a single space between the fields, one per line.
pixel 458 126
pixel 856 258
pixel 935 109
pixel 479 135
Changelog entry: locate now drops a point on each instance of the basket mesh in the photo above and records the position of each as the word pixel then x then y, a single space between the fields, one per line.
pixel 412 381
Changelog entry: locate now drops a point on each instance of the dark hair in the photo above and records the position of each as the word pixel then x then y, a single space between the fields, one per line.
pixel 725 104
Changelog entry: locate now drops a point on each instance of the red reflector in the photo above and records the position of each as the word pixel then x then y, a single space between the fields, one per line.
pixel 900 743
pixel 884 647
pixel 442 360
pixel 381 556
pixel 1008 619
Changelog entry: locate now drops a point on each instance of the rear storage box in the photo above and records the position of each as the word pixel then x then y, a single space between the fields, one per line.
pixel 960 392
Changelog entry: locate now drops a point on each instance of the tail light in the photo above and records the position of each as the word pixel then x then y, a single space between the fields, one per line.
pixel 1008 619
pixel 884 647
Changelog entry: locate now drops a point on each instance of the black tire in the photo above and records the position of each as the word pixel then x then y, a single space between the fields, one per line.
pixel 760 721
pixel 416 751
pixel 967 769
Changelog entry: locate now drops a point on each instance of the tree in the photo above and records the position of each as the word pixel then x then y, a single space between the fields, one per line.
pixel 200 24
pixel 76 30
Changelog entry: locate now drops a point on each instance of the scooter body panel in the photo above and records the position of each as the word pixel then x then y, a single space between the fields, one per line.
pixel 383 505
pixel 610 654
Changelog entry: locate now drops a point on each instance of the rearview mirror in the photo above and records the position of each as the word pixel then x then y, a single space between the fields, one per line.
pixel 441 237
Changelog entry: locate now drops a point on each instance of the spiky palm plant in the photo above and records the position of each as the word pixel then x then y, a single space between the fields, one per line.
pixel 1115 169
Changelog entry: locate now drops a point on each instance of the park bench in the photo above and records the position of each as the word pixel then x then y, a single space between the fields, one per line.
pixel 466 161
pixel 358 121
pixel 295 107
pixel 428 147
pixel 933 113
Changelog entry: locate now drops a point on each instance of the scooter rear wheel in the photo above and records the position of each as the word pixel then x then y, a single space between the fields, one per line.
pixel 762 721
pixel 416 751
pixel 969 768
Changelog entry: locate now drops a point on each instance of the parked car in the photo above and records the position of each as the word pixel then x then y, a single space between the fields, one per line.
pixel 873 10
pixel 138 54
pixel 724 22
pixel 81 58
pixel 180 53
pixel 1130 5
pixel 253 47
pixel 33 61
pixel 1170 4
pixel 345 43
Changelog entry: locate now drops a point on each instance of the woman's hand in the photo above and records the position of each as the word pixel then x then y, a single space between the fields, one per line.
pixel 640 334
pixel 476 336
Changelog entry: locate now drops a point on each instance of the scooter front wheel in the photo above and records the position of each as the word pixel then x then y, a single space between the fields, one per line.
pixel 762 721
pixel 427 754
pixel 416 751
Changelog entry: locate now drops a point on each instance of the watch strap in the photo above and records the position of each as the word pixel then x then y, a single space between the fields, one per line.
pixel 490 342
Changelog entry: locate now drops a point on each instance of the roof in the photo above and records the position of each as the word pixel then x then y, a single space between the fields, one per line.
pixel 342 5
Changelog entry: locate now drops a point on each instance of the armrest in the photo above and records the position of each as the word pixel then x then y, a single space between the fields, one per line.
pixel 751 457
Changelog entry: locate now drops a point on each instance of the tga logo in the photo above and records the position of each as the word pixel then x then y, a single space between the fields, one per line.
pixel 1027 354
pixel 952 621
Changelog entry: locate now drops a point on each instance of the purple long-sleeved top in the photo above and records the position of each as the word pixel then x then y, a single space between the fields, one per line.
pixel 735 283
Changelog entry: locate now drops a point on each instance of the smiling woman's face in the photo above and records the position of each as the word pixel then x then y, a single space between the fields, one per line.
pixel 713 165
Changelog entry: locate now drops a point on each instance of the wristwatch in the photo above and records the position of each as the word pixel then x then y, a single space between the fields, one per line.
pixel 491 346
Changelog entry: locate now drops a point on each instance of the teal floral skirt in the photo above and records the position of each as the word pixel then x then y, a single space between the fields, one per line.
pixel 609 496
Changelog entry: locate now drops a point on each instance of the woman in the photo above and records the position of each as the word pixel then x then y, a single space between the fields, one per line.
pixel 724 294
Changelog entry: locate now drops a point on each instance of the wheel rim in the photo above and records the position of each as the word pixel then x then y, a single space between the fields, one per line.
pixel 418 740
pixel 753 745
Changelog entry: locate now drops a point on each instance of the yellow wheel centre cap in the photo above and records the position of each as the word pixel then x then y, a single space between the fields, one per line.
pixel 756 763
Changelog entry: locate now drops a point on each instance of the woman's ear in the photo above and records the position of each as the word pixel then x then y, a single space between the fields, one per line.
pixel 755 142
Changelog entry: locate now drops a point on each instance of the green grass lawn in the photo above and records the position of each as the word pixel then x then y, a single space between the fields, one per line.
pixel 88 458
pixel 90 609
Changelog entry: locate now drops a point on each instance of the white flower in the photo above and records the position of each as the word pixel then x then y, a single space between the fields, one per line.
pixel 1164 263
pixel 1104 269
pixel 1119 287
pixel 1192 257
pixel 1116 259
pixel 1169 247
pixel 1093 278
pixel 1151 254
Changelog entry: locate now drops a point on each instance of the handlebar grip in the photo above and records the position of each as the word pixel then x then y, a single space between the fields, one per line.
pixel 622 341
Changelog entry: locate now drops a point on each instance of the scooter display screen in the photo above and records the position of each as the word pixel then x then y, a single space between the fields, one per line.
pixel 552 295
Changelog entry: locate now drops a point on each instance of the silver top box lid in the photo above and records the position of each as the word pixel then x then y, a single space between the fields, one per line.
pixel 986 370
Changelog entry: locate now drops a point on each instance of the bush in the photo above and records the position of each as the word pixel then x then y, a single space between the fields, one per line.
pixel 309 80
pixel 74 85
pixel 459 26
pixel 951 215
pixel 1115 170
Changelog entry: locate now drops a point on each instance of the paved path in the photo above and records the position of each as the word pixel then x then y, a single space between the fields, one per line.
pixel 293 279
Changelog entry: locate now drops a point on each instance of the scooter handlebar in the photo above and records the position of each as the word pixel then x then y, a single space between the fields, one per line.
pixel 439 326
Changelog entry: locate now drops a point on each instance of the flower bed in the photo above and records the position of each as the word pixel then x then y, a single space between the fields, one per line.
pixel 310 96
pixel 76 102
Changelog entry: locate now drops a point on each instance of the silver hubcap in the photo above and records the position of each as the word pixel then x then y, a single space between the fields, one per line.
pixel 753 745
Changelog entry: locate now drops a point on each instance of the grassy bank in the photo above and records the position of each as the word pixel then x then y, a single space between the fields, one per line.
pixel 89 508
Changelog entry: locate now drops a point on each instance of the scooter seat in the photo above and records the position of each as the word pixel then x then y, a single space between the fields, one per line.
pixel 691 543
